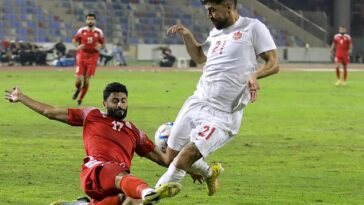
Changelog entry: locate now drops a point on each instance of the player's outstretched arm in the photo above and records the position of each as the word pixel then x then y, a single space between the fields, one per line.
pixel 194 48
pixel 158 157
pixel 16 95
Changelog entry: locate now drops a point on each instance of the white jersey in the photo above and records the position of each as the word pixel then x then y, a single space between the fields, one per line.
pixel 231 58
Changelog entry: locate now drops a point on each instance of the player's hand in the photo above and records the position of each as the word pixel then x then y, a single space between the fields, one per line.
pixel 196 177
pixel 98 46
pixel 12 95
pixel 81 47
pixel 254 87
pixel 173 30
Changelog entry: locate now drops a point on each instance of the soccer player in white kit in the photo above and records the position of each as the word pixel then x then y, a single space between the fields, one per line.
pixel 211 117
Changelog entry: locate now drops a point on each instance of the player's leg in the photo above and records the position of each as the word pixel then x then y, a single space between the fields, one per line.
pixel 78 81
pixel 136 188
pixel 79 72
pixel 84 89
pixel 113 178
pixel 338 61
pixel 177 139
pixel 206 138
pixel 346 61
pixel 90 69
pixel 345 74
pixel 78 84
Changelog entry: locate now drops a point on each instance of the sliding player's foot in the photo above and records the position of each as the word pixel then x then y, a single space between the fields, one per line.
pixel 163 191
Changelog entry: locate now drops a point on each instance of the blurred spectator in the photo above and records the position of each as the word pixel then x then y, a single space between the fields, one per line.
pixel 104 57
pixel 5 54
pixel 118 54
pixel 167 58
pixel 60 49
pixel 358 58
pixel 40 55
pixel 26 56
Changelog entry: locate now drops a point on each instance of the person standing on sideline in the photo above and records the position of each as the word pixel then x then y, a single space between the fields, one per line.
pixel 88 40
pixel 341 48
pixel 118 55
pixel 211 117
pixel 110 143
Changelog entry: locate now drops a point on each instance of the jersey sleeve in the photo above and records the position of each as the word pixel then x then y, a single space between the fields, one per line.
pixel 77 36
pixel 76 117
pixel 206 46
pixel 262 39
pixel 101 38
pixel 144 144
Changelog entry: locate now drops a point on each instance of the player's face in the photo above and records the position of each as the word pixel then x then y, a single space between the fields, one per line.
pixel 117 105
pixel 90 21
pixel 342 30
pixel 218 14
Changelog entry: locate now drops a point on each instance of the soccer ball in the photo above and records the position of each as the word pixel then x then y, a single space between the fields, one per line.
pixel 161 136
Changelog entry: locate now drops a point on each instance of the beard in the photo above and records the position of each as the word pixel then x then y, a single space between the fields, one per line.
pixel 219 24
pixel 90 25
pixel 119 114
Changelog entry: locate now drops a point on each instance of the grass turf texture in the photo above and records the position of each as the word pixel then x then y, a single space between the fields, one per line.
pixel 302 142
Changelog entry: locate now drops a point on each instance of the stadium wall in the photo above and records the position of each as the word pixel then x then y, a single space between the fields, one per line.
pixel 286 54
pixel 151 52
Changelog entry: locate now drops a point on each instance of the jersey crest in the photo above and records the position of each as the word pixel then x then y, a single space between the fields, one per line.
pixel 237 35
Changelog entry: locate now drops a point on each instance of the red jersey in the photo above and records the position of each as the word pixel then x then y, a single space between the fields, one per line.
pixel 342 45
pixel 89 38
pixel 108 139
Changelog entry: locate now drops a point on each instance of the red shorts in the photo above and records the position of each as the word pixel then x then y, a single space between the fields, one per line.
pixel 98 178
pixel 342 59
pixel 86 64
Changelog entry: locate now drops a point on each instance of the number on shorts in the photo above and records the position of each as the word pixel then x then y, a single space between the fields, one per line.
pixel 207 132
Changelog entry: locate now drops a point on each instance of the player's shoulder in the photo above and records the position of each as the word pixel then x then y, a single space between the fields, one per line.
pixel 129 125
pixel 252 24
pixel 347 36
pixel 84 28
pixel 92 111
pixel 97 29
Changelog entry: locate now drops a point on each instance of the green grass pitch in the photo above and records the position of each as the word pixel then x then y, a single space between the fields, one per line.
pixel 301 143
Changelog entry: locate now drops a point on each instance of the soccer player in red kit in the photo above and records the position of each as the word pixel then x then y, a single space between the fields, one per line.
pixel 342 45
pixel 110 143
pixel 88 41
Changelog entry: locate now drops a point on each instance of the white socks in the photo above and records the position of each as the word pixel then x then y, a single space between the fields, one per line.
pixel 201 167
pixel 173 174
pixel 146 191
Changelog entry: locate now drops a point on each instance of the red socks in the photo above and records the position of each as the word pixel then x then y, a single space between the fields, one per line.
pixel 338 72
pixel 132 186
pixel 83 91
pixel 345 72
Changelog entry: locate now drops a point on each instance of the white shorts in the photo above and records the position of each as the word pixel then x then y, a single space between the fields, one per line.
pixel 204 125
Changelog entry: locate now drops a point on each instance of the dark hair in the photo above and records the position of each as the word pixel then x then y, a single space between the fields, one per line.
pixel 114 87
pixel 219 2
pixel 91 15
